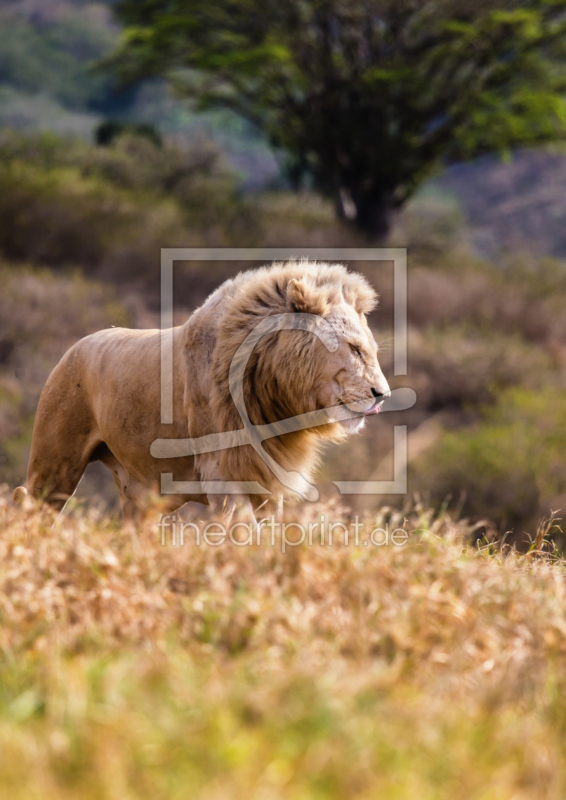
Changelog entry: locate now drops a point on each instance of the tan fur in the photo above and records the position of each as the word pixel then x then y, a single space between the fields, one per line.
pixel 102 401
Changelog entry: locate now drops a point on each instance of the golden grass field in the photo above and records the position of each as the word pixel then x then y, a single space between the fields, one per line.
pixel 135 670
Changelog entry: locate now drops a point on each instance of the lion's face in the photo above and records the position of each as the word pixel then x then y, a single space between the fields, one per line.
pixel 351 376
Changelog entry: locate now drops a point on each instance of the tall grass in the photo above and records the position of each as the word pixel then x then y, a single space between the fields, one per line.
pixel 133 669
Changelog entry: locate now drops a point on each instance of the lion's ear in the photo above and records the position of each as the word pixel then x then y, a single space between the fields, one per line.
pixel 304 298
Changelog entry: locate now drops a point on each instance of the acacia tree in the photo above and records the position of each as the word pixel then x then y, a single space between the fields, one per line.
pixel 367 96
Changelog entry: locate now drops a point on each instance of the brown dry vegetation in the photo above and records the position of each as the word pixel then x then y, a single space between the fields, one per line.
pixel 133 669
pixel 477 334
pixel 41 316
pixel 478 331
pixel 487 359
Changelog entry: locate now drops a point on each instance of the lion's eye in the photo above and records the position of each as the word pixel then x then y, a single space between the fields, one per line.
pixel 356 350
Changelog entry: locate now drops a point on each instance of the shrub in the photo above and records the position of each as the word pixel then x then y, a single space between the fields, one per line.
pixel 41 316
pixel 510 466
pixel 462 367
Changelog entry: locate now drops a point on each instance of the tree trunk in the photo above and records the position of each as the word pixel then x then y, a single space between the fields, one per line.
pixel 345 207
pixel 373 212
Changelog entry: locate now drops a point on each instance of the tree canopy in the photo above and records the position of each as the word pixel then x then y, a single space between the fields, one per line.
pixel 368 97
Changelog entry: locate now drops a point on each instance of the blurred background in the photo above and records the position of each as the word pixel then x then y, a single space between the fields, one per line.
pixel 130 126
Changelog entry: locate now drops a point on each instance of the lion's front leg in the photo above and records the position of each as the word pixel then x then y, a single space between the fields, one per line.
pixel 232 507
pixel 270 508
pixel 222 506
pixel 239 507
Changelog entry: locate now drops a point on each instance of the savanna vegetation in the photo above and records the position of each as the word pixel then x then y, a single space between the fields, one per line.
pixel 367 99
pixel 80 232
pixel 133 669
pixel 130 667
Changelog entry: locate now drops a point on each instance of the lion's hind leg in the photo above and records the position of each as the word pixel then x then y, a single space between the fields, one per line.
pixel 54 474
pixel 62 443
pixel 132 496
pixel 131 492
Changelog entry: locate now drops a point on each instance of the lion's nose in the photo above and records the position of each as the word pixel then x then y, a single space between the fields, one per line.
pixel 379 395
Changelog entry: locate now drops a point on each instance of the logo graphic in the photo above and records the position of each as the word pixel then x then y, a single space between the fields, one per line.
pixel 254 435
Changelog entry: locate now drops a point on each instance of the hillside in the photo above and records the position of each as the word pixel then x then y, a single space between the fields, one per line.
pixel 48 49
pixel 80 234
pixel 516 205
pixel 50 81
pixel 46 53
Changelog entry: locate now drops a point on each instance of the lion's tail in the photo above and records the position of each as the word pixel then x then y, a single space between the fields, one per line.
pixel 20 494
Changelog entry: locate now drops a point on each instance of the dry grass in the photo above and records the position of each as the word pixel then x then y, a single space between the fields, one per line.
pixel 134 670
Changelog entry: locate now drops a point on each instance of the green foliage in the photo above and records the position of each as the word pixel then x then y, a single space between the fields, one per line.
pixel 49 81
pixel 110 130
pixel 53 54
pixel 133 163
pixel 108 209
pixel 510 466
pixel 367 97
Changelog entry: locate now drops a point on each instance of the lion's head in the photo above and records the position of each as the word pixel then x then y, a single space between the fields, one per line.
pixel 350 375
pixel 291 372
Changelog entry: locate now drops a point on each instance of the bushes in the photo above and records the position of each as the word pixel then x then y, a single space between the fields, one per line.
pixel 57 218
pixel 41 316
pixel 477 330
pixel 510 466
pixel 110 210
pixel 462 367
pixel 131 162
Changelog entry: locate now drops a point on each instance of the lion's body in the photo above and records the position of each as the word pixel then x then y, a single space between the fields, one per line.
pixel 103 400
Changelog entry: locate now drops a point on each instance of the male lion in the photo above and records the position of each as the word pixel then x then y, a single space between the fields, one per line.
pixel 102 401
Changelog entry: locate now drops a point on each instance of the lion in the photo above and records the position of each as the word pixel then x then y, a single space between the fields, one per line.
pixel 102 402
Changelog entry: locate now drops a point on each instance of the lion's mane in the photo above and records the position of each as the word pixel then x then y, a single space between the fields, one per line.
pixel 281 374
